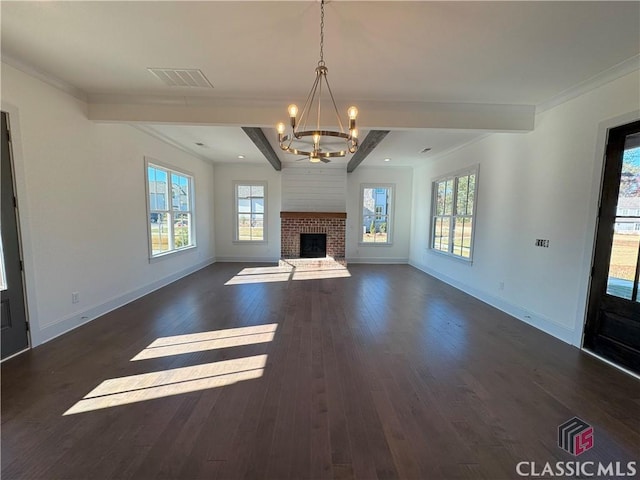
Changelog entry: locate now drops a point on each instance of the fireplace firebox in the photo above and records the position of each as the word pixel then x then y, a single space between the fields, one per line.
pixel 313 245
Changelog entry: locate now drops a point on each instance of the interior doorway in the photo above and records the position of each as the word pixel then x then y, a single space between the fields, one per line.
pixel 613 318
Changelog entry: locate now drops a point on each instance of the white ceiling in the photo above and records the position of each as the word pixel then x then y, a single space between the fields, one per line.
pixel 397 54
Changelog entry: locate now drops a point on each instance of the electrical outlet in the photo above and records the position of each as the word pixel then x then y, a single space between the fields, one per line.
pixel 542 243
pixel 75 297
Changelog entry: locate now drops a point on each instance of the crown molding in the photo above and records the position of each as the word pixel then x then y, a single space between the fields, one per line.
pixel 617 71
pixel 46 77
pixel 159 136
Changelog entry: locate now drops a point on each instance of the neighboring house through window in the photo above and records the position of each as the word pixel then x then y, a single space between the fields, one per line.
pixel 376 220
pixel 250 211
pixel 452 213
pixel 170 209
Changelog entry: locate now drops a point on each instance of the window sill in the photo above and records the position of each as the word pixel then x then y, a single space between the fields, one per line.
pixel 162 256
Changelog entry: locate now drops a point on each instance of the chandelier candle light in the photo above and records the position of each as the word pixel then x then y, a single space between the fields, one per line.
pixel 309 142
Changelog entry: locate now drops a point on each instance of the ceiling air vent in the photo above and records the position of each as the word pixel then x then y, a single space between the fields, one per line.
pixel 181 77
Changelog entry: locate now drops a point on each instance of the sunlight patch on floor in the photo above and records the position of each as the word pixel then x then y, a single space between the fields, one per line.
pixel 211 340
pixel 284 274
pixel 177 381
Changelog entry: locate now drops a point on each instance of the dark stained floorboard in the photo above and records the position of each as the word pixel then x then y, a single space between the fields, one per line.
pixel 386 374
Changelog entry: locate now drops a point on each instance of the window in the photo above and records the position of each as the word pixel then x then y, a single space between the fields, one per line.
pixel 453 207
pixel 250 207
pixel 171 221
pixel 376 218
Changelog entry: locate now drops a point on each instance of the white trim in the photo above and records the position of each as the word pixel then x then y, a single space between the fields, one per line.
pixel 582 306
pixel 163 138
pixel 22 218
pixel 15 354
pixel 379 260
pixel 390 214
pixel 609 362
pixel 236 227
pixel 247 259
pixel 46 77
pixel 66 324
pixel 472 169
pixel 169 171
pixel 617 71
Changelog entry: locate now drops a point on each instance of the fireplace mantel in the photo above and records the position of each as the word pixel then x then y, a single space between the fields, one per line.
pixel 313 215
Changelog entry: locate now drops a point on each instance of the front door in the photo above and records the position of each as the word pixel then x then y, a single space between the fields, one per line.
pixel 12 308
pixel 613 319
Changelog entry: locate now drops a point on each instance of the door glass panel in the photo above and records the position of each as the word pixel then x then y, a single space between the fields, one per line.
pixel 3 275
pixel 624 258
pixel 626 232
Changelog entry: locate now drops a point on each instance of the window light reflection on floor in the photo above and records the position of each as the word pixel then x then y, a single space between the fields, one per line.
pixel 285 273
pixel 211 340
pixel 148 386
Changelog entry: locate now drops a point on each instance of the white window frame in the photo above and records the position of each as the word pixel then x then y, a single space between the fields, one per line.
pixel 169 169
pixel 236 229
pixel 390 214
pixel 455 176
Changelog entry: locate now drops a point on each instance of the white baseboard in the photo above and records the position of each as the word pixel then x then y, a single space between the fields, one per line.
pixel 248 259
pixel 64 325
pixel 538 321
pixel 380 260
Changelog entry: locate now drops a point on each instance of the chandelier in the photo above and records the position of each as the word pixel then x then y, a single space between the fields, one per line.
pixel 307 137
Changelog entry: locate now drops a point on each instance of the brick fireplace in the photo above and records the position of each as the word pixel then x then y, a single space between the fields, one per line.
pixel 292 224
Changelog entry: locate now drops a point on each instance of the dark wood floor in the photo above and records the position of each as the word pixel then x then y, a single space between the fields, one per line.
pixel 387 373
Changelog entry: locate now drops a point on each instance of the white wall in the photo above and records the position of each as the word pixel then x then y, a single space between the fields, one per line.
pixel 81 194
pixel 314 188
pixel 543 184
pixel 226 249
pixel 398 251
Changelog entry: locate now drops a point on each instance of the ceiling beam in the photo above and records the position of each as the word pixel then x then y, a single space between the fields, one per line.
pixel 257 136
pixel 371 141
pixel 261 113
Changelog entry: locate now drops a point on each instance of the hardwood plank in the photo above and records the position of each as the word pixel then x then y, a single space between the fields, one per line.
pixel 388 373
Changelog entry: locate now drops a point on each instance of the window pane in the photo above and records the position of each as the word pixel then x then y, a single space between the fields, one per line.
pixel 368 202
pixel 462 237
pixel 257 191
pixel 440 187
pixel 624 257
pixel 368 227
pixel 180 192
pixel 244 227
pixel 257 205
pixel 159 226
pixel 441 233
pixel 182 230
pixel 244 191
pixel 257 227
pixel 157 188
pixel 244 205
pixel 448 197
pixel 472 194
pixel 462 196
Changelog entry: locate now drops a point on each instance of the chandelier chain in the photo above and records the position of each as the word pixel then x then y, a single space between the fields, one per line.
pixel 321 62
